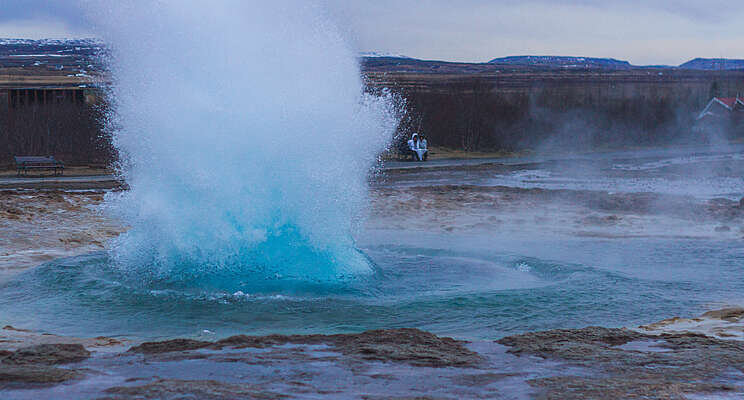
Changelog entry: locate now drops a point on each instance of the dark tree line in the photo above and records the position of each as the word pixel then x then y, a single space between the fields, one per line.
pixel 71 132
pixel 470 113
pixel 476 115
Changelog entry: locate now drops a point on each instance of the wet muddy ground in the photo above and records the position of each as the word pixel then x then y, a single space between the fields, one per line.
pixel 587 363
pixel 41 225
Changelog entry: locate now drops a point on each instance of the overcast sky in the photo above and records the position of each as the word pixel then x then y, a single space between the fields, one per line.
pixel 643 32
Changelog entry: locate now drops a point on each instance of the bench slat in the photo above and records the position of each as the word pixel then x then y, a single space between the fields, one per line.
pixel 25 163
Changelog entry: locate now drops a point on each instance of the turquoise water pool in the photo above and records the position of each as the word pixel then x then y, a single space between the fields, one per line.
pixel 478 288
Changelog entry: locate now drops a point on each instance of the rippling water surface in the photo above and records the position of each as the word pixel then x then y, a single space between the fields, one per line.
pixel 467 286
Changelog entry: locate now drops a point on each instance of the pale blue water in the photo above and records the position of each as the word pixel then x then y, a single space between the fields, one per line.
pixel 469 287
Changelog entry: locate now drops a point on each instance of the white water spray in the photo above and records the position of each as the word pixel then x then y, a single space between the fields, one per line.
pixel 246 139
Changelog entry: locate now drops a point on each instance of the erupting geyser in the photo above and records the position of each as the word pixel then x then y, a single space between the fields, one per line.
pixel 246 140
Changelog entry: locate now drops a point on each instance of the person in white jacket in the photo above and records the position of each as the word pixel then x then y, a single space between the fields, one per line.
pixel 413 145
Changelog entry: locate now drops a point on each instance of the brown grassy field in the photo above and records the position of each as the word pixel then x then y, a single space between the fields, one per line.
pixel 39 77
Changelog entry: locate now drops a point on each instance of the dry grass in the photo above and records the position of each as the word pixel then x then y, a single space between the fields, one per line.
pixel 69 171
pixel 442 153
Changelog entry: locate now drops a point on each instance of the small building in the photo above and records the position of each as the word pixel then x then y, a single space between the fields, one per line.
pixel 723 108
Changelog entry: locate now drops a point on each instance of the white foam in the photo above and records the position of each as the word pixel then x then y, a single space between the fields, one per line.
pixel 237 120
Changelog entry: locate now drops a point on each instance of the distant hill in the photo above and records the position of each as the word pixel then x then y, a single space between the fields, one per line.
pixel 72 55
pixel 49 47
pixel 713 64
pixel 564 62
pixel 375 54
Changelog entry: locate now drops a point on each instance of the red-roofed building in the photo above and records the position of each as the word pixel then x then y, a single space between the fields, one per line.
pixel 723 107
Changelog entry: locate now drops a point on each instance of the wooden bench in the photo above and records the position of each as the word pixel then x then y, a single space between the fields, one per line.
pixel 404 152
pixel 25 164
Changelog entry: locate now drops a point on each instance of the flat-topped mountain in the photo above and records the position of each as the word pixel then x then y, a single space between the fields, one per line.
pixel 563 62
pixel 713 64
pixel 547 63
pixel 377 54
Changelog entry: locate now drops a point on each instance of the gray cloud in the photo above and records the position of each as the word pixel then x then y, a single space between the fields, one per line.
pixel 42 18
pixel 644 32
pixel 62 10
pixel 708 10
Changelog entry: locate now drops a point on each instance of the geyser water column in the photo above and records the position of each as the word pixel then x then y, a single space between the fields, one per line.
pixel 246 140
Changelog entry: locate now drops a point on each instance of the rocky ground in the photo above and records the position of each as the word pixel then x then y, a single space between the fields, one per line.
pixel 658 198
pixel 39 226
pixel 570 212
pixel 589 363
pixel 42 224
pixel 633 365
